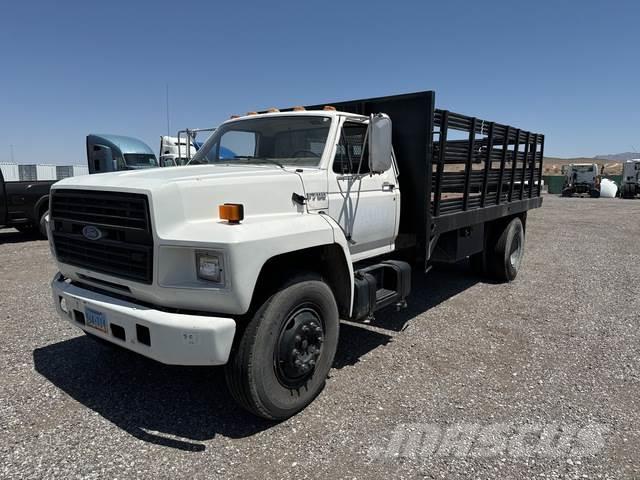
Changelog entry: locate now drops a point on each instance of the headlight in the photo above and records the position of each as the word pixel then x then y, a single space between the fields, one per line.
pixel 209 266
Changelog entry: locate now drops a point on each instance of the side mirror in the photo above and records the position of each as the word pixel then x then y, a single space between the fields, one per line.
pixel 379 143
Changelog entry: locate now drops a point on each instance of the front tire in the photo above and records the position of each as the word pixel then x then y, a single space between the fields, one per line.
pixel 505 256
pixel 282 359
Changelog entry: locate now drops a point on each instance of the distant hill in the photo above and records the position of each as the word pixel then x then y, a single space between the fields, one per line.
pixel 618 157
pixel 612 166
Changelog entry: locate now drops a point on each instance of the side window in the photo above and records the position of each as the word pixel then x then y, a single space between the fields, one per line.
pixel 350 149
pixel 119 161
pixel 236 143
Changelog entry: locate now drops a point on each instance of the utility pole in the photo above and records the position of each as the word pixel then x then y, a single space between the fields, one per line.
pixel 167 98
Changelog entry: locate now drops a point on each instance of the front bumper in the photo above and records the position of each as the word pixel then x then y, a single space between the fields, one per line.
pixel 171 338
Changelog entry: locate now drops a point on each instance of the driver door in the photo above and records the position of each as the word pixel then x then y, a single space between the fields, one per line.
pixel 364 205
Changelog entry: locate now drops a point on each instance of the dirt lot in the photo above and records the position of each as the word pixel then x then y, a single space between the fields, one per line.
pixel 540 378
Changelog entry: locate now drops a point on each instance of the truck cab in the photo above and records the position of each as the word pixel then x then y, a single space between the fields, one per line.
pixel 326 151
pixel 581 179
pixel 174 152
pixel 281 224
pixel 630 179
pixel 179 150
pixel 112 153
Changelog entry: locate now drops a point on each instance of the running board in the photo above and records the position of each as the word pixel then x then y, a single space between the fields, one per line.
pixel 378 286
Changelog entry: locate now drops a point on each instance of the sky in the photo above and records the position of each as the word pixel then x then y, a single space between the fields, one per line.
pixel 568 69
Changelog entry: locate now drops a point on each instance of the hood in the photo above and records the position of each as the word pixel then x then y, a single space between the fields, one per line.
pixel 148 179
pixel 193 193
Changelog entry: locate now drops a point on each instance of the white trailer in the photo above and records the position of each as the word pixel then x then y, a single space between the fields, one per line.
pixel 10 172
pixel 46 172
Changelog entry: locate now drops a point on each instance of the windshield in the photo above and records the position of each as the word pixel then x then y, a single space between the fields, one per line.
pixel 140 160
pixel 283 140
pixel 583 168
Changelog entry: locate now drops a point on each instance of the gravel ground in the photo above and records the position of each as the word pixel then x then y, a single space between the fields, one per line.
pixel 537 378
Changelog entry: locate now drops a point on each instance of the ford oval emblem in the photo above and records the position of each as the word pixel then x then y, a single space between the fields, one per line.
pixel 92 233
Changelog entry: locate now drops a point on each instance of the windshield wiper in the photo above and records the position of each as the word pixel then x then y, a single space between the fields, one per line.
pixel 258 160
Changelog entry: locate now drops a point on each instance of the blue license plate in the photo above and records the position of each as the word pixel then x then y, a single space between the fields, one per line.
pixel 96 320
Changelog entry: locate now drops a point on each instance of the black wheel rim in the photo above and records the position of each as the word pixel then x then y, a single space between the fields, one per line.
pixel 299 346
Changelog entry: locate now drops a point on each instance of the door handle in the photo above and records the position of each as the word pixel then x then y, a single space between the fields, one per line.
pixel 388 187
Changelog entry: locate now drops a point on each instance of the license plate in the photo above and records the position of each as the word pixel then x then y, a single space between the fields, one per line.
pixel 96 320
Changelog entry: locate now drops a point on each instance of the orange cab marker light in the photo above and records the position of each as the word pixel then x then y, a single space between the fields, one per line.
pixel 252 113
pixel 234 116
pixel 273 110
pixel 232 212
pixel 299 109
pixel 329 108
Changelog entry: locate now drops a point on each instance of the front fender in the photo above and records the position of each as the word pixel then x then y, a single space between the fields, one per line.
pixel 340 239
pixel 248 246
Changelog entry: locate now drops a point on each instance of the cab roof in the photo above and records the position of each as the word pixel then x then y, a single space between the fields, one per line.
pixel 299 113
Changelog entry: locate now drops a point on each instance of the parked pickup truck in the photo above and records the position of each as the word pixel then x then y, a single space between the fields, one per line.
pixel 251 261
pixel 23 205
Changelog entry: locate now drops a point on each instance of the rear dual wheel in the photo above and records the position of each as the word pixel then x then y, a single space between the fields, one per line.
pixel 628 191
pixel 281 361
pixel 503 253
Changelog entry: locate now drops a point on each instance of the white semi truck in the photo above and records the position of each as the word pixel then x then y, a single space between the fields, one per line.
pixel 179 150
pixel 250 261
pixel 630 186
pixel 174 151
pixel 581 179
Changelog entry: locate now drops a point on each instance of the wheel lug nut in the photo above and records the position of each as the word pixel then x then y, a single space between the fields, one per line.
pixel 305 329
pixel 298 338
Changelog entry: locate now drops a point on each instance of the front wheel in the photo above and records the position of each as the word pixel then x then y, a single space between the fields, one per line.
pixel 282 359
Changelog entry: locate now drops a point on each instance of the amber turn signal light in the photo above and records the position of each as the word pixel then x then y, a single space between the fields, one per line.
pixel 231 212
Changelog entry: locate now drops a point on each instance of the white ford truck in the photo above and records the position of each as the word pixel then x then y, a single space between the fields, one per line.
pixel 250 261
